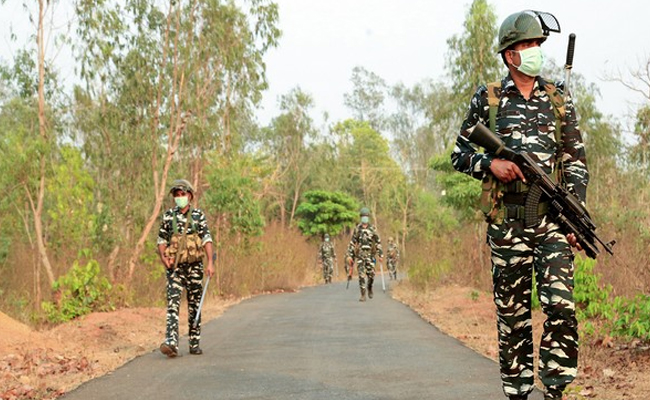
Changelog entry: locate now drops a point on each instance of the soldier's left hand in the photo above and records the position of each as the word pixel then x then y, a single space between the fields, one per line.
pixel 210 270
pixel 573 241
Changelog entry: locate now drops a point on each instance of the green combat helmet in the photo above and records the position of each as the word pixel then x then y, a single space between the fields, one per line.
pixel 526 25
pixel 181 184
pixel 364 212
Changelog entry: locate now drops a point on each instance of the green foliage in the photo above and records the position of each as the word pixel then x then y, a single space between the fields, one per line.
pixel 424 274
pixel 461 191
pixel 79 292
pixel 591 300
pixel 71 192
pixel 233 186
pixel 472 59
pixel 326 212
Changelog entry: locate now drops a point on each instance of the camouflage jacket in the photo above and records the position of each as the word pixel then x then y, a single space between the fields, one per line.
pixel 326 251
pixel 365 242
pixel 392 251
pixel 528 126
pixel 199 226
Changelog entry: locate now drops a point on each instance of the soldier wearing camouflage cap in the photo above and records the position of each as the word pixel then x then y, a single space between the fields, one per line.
pixel 183 241
pixel 363 249
pixel 529 114
pixel 327 257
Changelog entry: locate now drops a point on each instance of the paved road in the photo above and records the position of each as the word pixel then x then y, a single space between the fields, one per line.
pixel 320 343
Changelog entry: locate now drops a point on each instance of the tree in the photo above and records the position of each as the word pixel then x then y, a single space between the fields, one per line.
pixel 367 97
pixel 288 141
pixel 422 126
pixel 326 212
pixel 472 58
pixel 366 155
pixel 166 83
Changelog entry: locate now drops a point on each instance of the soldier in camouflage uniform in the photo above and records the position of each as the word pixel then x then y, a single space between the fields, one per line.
pixel 526 121
pixel 181 246
pixel 363 249
pixel 392 258
pixel 327 258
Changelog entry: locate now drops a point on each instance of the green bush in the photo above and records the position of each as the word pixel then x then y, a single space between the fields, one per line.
pixel 79 292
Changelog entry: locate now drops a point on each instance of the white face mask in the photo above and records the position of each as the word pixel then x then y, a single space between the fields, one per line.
pixel 182 201
pixel 532 61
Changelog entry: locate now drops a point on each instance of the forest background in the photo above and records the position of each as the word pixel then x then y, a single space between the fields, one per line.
pixel 170 90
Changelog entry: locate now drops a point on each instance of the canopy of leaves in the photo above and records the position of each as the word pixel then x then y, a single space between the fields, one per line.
pixel 326 212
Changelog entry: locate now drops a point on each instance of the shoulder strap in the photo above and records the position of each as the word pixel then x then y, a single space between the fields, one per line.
pixel 494 94
pixel 559 109
pixel 190 219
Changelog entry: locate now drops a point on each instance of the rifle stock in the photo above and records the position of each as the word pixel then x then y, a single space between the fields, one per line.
pixel 565 208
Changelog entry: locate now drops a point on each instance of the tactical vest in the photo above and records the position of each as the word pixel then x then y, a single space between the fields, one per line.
pixel 492 190
pixel 184 247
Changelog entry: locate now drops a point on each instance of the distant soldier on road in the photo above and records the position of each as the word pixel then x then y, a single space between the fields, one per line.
pixel 327 258
pixel 392 258
pixel 183 239
pixel 364 246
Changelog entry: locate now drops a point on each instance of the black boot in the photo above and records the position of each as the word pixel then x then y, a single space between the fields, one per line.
pixel 363 295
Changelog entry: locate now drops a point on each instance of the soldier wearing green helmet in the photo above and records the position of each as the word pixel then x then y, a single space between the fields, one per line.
pixel 529 114
pixel 183 241
pixel 363 250
pixel 327 258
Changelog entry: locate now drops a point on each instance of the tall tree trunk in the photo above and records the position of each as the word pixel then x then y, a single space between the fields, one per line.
pixel 37 209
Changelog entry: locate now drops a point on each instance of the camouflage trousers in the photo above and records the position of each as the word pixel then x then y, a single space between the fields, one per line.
pixel 366 272
pixel 391 264
pixel 328 269
pixel 517 254
pixel 188 277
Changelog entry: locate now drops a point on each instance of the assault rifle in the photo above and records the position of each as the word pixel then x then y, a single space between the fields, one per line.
pixel 564 207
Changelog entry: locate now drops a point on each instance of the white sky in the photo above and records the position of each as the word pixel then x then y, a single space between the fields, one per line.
pixel 405 41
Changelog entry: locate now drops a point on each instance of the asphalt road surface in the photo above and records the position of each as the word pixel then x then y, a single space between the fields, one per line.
pixel 319 343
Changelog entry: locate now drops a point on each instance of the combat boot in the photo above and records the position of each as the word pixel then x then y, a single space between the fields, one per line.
pixel 370 292
pixel 169 350
pixel 363 295
pixel 518 397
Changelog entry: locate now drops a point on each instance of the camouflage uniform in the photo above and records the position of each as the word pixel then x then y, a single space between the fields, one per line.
pixel 326 256
pixel 186 275
pixel 543 250
pixel 364 246
pixel 392 258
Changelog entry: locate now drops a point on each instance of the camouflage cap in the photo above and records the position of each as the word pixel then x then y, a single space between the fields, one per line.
pixel 181 184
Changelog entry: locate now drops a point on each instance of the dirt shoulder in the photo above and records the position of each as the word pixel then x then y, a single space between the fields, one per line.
pixel 45 365
pixel 607 370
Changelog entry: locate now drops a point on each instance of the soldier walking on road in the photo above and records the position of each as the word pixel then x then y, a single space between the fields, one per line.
pixel 392 258
pixel 183 239
pixel 327 258
pixel 529 115
pixel 364 246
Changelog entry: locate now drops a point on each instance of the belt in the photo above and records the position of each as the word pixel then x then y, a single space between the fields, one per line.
pixel 516 187
pixel 517 211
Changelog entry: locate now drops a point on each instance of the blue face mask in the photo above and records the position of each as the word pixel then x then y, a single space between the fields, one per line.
pixel 365 219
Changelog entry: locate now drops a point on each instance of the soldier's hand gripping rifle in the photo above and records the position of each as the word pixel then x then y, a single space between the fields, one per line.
pixel 564 207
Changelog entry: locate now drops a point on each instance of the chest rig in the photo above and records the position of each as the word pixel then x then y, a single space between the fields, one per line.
pixel 516 199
